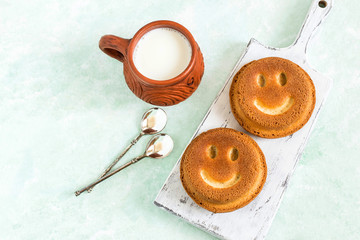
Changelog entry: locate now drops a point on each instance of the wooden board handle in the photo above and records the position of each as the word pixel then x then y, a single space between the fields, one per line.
pixel 317 12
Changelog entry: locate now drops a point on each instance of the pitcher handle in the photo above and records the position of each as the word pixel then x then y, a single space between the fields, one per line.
pixel 114 46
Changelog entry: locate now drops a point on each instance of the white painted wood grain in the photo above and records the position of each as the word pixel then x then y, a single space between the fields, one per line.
pixel 253 221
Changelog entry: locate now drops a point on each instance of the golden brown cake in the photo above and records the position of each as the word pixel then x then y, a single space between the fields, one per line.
pixel 223 170
pixel 272 97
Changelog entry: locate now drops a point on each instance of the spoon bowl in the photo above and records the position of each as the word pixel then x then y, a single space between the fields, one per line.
pixel 159 146
pixel 153 121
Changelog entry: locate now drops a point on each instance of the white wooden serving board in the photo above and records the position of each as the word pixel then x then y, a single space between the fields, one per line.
pixel 253 221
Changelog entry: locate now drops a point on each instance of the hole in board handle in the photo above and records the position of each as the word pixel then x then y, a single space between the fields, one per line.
pixel 322 4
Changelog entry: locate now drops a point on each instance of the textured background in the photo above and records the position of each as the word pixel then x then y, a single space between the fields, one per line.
pixel 66 112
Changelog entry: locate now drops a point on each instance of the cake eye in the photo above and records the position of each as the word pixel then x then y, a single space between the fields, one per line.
pixel 282 79
pixel 261 81
pixel 234 154
pixel 212 151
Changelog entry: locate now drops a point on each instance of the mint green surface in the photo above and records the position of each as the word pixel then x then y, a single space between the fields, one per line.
pixel 66 112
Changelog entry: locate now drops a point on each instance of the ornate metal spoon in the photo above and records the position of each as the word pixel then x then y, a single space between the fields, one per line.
pixel 153 121
pixel 159 146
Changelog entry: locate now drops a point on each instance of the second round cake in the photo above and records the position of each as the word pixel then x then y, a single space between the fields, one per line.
pixel 223 170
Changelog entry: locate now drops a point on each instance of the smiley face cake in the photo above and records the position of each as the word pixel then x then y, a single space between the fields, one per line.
pixel 272 97
pixel 223 170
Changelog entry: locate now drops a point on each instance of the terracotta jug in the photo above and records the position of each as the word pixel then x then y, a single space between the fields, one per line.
pixel 161 93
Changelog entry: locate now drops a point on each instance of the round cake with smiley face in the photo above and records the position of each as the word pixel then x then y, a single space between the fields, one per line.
pixel 223 170
pixel 272 97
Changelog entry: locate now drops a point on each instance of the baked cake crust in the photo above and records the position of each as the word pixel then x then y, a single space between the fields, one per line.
pixel 272 97
pixel 223 170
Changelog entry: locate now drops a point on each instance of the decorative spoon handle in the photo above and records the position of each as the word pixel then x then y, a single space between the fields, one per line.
pixel 77 193
pixel 133 142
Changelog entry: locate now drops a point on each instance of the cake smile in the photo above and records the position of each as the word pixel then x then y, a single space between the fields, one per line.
pixel 286 105
pixel 219 184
